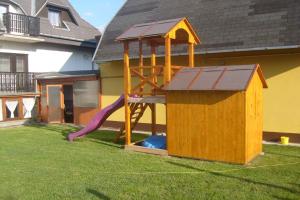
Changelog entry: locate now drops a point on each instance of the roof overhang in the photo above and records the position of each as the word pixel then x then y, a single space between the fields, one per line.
pixel 67 75
pixel 19 38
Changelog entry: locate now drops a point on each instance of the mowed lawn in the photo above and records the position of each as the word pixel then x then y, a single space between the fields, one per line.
pixel 38 163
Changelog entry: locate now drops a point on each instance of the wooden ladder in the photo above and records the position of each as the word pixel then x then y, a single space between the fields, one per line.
pixel 137 111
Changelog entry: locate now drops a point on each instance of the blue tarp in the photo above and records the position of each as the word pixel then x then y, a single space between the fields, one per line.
pixel 155 142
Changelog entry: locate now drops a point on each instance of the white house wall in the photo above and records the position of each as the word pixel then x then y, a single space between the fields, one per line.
pixel 51 58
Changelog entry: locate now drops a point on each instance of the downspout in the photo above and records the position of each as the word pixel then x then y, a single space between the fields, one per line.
pixel 33 7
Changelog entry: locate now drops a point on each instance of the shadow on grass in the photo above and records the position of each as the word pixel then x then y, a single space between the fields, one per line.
pixel 97 194
pixel 246 180
pixel 281 198
pixel 100 136
pixel 281 154
pixel 63 129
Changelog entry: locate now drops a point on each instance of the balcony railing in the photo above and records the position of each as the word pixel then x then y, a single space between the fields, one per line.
pixel 17 82
pixel 21 24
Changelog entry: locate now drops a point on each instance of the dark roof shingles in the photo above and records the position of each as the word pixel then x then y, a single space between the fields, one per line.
pixel 221 25
pixel 83 32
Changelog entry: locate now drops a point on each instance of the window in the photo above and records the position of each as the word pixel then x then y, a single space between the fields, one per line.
pixel 5 64
pixel 13 62
pixel 3 9
pixel 55 17
pixel 86 94
pixel 12 109
pixel 20 63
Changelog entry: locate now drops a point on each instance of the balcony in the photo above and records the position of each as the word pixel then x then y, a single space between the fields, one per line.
pixel 18 82
pixel 21 24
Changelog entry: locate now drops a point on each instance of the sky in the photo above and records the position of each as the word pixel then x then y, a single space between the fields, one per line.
pixel 97 12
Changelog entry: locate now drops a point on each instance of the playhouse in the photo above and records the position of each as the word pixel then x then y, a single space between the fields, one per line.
pixel 215 113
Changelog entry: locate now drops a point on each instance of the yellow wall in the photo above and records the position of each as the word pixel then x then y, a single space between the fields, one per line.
pixel 281 99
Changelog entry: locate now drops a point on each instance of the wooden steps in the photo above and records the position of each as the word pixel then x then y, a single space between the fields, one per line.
pixel 137 111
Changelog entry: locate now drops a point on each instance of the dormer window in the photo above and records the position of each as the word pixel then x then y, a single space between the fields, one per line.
pixel 3 10
pixel 55 17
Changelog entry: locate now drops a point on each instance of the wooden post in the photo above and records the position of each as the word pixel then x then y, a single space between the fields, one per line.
pixel 191 55
pixel 39 103
pixel 4 109
pixel 127 90
pixel 62 104
pixel 153 118
pixel 153 64
pixel 167 70
pixel 20 108
pixel 141 63
pixel 153 106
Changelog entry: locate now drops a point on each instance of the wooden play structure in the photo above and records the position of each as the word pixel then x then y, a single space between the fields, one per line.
pixel 212 113
pixel 143 84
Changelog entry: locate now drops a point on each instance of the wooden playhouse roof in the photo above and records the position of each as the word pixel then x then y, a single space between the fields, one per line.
pixel 218 78
pixel 158 29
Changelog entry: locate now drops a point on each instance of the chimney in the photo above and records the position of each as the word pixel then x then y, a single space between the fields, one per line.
pixel 33 7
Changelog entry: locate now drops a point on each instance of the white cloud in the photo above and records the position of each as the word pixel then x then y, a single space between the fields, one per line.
pixel 88 14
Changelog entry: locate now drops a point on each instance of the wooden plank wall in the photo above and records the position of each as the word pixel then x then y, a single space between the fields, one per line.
pixel 82 116
pixel 254 118
pixel 206 125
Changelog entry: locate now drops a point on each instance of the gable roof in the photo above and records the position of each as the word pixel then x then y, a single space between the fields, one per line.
pixel 223 25
pixel 80 34
pixel 155 29
pixel 219 78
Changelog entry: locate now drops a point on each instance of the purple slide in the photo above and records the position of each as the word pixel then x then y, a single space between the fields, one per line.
pixel 99 119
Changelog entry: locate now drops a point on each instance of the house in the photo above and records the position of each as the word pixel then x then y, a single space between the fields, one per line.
pixel 46 64
pixel 232 32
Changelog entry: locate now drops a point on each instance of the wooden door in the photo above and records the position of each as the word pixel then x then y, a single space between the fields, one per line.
pixel 55 104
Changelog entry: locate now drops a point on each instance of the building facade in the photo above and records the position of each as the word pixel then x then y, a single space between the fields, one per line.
pixel 46 52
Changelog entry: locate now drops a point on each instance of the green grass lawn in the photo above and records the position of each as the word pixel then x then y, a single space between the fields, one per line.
pixel 38 163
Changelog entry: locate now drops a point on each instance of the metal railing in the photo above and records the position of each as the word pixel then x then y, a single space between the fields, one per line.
pixel 17 82
pixel 21 24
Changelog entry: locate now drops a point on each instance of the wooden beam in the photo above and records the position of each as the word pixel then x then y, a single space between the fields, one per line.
pixel 62 104
pixel 20 108
pixel 153 118
pixel 39 107
pixel 144 80
pixel 141 62
pixel 4 109
pixel 153 63
pixel 191 55
pixel 127 89
pixel 167 70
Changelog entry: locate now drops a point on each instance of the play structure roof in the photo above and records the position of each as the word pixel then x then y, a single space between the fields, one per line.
pixel 154 29
pixel 149 29
pixel 218 78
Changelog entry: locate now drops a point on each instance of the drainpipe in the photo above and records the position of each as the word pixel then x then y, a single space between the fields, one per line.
pixel 33 7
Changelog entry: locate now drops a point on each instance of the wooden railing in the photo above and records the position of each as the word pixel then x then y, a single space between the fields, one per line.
pixel 149 76
pixel 21 24
pixel 17 82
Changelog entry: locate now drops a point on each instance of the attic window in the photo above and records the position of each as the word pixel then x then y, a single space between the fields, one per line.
pixel 54 17
pixel 3 9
